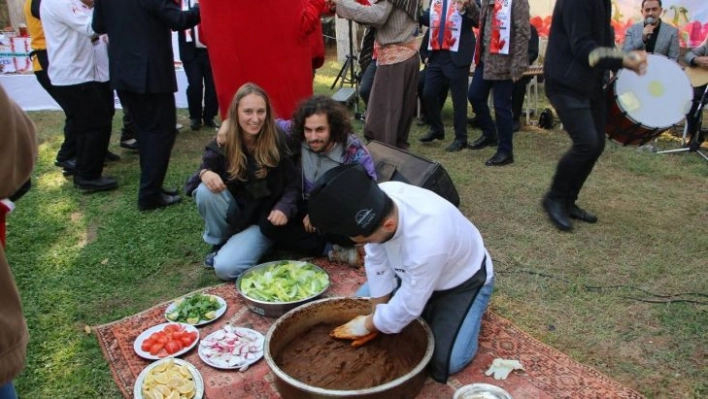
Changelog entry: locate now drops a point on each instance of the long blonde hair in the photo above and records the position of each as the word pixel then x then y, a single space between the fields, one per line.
pixel 267 148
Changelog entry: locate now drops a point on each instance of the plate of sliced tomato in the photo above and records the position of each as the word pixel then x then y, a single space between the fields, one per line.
pixel 166 340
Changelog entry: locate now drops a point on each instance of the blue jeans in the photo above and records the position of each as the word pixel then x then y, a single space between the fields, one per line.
pixel 239 251
pixel 465 346
pixel 478 94
pixel 7 391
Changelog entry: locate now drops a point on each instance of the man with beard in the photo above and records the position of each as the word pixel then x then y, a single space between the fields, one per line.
pixel 322 138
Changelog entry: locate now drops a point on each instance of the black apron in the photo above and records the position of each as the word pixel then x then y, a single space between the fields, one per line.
pixel 445 312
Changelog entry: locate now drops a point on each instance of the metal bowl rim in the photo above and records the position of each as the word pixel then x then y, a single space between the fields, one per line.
pixel 341 393
pixel 482 387
pixel 263 265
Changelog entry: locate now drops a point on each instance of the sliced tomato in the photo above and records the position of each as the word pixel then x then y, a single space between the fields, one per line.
pixel 156 348
pixel 172 328
pixel 154 336
pixel 146 345
pixel 163 339
pixel 173 347
pixel 186 340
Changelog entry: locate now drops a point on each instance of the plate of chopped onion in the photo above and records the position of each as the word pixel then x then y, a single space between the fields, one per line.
pixel 232 348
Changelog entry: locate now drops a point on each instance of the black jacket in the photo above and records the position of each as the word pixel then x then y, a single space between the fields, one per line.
pixel 465 50
pixel 579 27
pixel 140 48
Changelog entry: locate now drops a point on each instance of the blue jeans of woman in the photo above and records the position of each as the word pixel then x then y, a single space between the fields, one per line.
pixel 239 251
pixel 465 346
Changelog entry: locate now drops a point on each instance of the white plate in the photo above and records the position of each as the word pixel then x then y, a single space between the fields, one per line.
pixel 146 334
pixel 196 377
pixel 260 340
pixel 219 312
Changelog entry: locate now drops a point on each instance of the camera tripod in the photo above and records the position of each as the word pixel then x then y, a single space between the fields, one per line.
pixel 694 144
pixel 347 75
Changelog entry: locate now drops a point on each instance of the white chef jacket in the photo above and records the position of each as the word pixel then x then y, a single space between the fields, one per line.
pixel 434 248
pixel 67 29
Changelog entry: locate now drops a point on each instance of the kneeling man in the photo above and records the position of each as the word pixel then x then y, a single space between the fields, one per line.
pixel 424 258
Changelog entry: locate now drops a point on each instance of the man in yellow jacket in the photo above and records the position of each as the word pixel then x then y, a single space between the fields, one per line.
pixel 18 153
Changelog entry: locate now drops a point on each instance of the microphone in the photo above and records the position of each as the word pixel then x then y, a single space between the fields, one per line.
pixel 649 21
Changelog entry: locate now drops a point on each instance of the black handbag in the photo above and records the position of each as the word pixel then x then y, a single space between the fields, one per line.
pixel 394 164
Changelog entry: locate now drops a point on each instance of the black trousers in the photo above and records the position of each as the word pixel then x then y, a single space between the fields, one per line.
pixel 92 105
pixel 154 116
pixel 692 122
pixel 367 81
pixel 441 71
pixel 68 147
pixel 584 120
pixel 517 96
pixel 421 88
pixel 201 85
pixel 128 130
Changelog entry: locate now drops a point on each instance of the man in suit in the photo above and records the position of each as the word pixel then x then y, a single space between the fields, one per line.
pixel 142 70
pixel 195 60
pixel 451 47
pixel 501 59
pixel 651 34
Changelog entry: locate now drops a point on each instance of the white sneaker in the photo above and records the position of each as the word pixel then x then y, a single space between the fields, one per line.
pixel 348 255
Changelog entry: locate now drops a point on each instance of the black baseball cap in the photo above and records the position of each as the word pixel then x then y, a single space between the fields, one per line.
pixel 348 202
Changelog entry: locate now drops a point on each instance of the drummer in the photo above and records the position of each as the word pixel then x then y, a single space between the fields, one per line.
pixel 424 258
pixel 581 30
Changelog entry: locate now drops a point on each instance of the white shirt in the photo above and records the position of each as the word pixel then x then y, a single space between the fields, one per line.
pixel 434 248
pixel 67 28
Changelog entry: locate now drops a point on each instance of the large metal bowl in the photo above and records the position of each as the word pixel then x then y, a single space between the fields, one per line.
pixel 275 309
pixel 340 310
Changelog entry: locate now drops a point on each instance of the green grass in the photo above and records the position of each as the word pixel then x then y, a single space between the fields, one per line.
pixel 91 259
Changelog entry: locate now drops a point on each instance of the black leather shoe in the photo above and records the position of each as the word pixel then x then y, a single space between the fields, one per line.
pixel 131 144
pixel 103 183
pixel 500 159
pixel 558 213
pixel 484 141
pixel 112 157
pixel 581 214
pixel 456 145
pixel 162 201
pixel 195 124
pixel 68 165
pixel 430 136
pixel 170 191
pixel 211 122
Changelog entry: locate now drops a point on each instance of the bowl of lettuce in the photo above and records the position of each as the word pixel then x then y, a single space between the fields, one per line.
pixel 273 288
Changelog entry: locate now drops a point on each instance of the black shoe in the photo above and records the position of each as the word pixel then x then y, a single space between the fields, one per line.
pixel 169 191
pixel 484 141
pixel 69 165
pixel 162 201
pixel 581 214
pixel 209 260
pixel 112 157
pixel 103 183
pixel 211 122
pixel 515 126
pixel 430 136
pixel 500 159
pixel 558 213
pixel 195 124
pixel 456 145
pixel 131 144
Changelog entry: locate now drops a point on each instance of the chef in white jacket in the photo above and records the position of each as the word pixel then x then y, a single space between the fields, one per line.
pixel 424 258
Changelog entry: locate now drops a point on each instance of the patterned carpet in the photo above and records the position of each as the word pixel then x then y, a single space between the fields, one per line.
pixel 548 373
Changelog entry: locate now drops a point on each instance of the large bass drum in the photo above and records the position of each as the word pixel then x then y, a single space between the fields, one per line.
pixel 640 108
